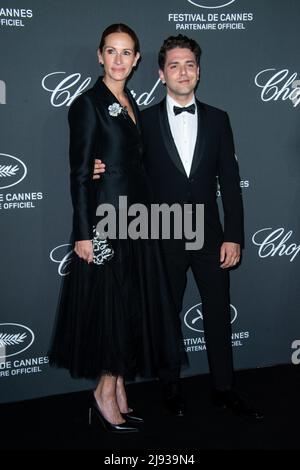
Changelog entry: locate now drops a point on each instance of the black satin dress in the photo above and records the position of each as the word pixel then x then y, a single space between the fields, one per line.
pixel 116 318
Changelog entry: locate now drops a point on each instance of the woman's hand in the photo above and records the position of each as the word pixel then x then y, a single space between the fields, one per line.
pixel 99 167
pixel 84 249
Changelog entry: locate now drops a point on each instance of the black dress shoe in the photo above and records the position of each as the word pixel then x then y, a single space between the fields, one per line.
pixel 173 399
pixel 94 410
pixel 132 419
pixel 230 400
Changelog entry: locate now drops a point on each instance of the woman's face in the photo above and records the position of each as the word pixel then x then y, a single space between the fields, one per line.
pixel 118 56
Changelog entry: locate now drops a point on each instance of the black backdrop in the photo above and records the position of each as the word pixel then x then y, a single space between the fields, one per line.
pixel 249 68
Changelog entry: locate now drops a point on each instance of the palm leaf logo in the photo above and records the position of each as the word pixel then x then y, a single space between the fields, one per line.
pixel 11 339
pixel 8 170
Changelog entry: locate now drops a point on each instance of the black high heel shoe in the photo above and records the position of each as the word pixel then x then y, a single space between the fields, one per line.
pixel 116 428
pixel 132 419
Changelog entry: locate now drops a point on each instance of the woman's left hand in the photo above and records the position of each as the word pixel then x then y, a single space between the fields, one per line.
pixel 84 249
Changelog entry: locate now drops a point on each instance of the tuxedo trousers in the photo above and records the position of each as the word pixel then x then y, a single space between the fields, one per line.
pixel 213 285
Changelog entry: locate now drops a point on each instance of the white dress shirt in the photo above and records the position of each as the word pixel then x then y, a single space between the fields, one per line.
pixel 184 129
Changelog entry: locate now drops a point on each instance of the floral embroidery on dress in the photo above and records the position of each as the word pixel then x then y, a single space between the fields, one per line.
pixel 102 250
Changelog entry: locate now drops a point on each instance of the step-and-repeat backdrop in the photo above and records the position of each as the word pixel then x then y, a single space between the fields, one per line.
pixel 249 68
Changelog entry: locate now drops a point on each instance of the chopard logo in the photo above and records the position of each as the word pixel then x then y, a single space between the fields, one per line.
pixel 211 3
pixel 278 85
pixel 273 242
pixel 14 339
pixel 12 170
pixel 60 93
pixel 59 255
pixel 64 92
pixel 193 318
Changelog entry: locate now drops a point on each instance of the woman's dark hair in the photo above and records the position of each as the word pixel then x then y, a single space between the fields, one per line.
pixel 120 28
pixel 178 41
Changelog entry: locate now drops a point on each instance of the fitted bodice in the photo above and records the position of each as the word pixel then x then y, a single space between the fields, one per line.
pixel 97 132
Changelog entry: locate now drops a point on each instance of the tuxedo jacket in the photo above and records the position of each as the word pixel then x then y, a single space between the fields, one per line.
pixel 96 132
pixel 213 157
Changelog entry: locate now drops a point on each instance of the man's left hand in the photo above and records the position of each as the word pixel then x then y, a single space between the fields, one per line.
pixel 229 254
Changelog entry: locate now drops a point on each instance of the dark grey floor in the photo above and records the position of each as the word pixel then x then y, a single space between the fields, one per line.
pixel 60 422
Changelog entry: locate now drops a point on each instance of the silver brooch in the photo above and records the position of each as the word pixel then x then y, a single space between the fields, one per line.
pixel 115 109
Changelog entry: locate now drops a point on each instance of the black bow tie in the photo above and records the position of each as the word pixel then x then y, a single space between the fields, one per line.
pixel 189 109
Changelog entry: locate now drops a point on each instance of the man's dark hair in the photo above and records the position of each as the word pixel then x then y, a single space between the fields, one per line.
pixel 178 41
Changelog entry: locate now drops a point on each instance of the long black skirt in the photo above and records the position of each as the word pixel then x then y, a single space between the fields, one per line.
pixel 118 318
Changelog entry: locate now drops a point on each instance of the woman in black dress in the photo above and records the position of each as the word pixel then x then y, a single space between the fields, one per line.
pixel 115 312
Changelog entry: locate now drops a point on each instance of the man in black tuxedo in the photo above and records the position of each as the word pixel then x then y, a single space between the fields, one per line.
pixel 188 148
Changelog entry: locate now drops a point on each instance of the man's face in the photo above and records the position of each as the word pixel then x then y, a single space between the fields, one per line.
pixel 181 73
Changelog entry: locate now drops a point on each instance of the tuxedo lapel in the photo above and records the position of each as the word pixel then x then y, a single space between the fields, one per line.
pixel 200 141
pixel 168 138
